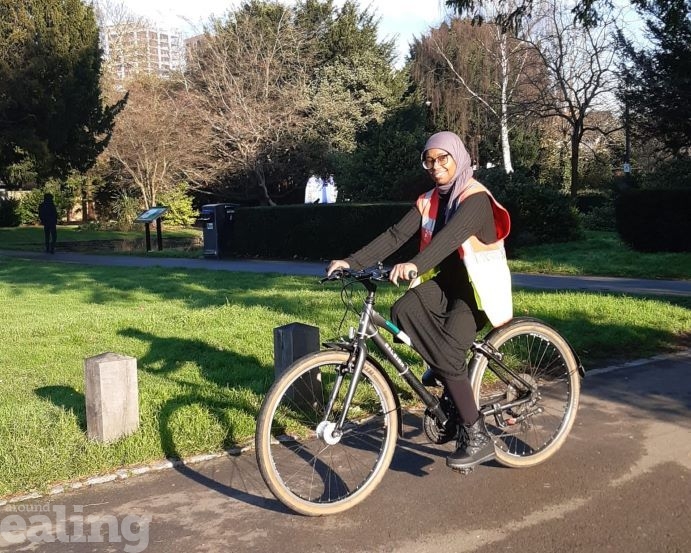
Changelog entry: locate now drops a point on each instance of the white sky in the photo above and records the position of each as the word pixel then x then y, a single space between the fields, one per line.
pixel 403 19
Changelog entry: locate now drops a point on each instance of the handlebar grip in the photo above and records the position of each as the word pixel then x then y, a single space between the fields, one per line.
pixel 336 275
pixel 412 275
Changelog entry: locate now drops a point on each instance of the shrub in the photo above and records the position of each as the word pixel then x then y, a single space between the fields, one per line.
pixel 125 210
pixel 539 214
pixel 672 174
pixel 496 178
pixel 587 201
pixel 179 203
pixel 9 213
pixel 602 217
pixel 319 231
pixel 28 209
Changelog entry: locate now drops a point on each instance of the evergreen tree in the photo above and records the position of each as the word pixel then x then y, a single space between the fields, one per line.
pixel 51 110
pixel 386 164
pixel 352 84
pixel 658 79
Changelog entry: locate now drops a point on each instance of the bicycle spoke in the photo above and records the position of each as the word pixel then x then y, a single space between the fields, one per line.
pixel 537 377
pixel 317 465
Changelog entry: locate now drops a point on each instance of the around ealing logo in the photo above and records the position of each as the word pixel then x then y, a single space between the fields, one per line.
pixel 45 523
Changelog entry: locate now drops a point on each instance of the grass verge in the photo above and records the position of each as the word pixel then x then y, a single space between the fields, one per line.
pixel 177 241
pixel 601 254
pixel 203 341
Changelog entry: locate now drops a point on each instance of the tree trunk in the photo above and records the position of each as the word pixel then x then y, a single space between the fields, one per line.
pixel 504 118
pixel 575 147
pixel 261 183
pixel 505 144
pixel 85 208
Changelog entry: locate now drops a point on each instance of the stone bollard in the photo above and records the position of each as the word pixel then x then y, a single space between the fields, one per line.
pixel 112 397
pixel 291 342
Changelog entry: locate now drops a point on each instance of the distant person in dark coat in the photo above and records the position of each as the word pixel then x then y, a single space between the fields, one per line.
pixel 48 215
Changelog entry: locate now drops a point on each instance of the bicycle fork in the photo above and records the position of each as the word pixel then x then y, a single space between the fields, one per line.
pixel 331 432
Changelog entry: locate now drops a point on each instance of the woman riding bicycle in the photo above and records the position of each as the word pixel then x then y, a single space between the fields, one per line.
pixel 463 280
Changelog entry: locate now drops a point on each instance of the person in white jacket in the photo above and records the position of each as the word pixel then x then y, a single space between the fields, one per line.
pixel 313 189
pixel 329 191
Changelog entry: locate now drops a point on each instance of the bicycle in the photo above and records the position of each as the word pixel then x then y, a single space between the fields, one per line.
pixel 327 428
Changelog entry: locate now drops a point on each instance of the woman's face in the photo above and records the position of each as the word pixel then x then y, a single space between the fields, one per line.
pixel 440 166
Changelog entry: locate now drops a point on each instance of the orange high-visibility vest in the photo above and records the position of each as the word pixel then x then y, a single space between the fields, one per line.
pixel 486 263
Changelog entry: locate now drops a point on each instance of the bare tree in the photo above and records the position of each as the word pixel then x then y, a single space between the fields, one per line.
pixel 580 62
pixel 249 80
pixel 122 53
pixel 496 88
pixel 157 140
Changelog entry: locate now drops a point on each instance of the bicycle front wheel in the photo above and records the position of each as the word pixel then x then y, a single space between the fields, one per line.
pixel 528 427
pixel 304 461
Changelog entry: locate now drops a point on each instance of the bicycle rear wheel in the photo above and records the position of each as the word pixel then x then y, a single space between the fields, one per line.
pixel 533 430
pixel 307 467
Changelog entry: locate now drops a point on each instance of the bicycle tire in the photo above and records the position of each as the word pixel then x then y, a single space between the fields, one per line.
pixel 536 351
pixel 302 470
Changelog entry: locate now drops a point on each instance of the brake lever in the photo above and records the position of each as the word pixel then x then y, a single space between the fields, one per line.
pixel 338 274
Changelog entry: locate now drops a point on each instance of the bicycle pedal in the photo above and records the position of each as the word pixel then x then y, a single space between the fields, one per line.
pixel 464 471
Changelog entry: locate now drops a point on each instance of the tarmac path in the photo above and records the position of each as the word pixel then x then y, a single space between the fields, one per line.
pixel 521 280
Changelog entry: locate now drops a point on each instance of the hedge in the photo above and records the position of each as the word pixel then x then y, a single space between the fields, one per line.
pixel 655 220
pixel 333 231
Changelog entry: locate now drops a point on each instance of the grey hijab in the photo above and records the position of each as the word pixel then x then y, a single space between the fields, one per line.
pixel 451 143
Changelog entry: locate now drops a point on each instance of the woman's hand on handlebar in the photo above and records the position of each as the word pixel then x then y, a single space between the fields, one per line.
pixel 336 265
pixel 403 271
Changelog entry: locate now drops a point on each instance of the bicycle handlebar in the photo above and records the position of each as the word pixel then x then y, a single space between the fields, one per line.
pixel 377 273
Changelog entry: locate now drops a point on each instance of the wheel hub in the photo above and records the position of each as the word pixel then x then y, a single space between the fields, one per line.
pixel 515 390
pixel 325 431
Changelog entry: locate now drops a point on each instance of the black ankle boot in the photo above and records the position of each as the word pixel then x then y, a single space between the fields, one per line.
pixel 474 446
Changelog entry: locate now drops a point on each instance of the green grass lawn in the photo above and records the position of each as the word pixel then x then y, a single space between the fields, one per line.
pixel 203 341
pixel 32 236
pixel 603 254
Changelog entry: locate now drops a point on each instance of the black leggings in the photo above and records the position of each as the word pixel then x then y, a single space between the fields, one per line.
pixel 441 331
pixel 51 235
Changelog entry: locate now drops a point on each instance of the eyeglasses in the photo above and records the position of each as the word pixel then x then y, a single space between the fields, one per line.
pixel 428 162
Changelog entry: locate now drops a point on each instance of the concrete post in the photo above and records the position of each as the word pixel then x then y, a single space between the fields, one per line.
pixel 291 342
pixel 112 396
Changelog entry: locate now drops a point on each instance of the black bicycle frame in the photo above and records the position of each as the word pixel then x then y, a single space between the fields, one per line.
pixel 371 321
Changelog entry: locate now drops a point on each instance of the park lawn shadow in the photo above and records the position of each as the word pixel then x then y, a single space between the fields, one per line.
pixel 221 371
pixel 68 399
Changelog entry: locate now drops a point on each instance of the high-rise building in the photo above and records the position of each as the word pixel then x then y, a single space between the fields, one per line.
pixel 130 50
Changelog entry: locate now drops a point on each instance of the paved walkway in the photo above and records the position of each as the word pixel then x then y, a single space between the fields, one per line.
pixel 544 282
